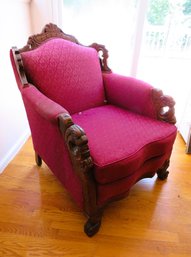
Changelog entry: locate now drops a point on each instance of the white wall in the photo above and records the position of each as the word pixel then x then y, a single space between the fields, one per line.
pixel 40 14
pixel 45 11
pixel 15 27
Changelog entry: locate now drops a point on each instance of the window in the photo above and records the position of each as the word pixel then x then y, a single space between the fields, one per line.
pixel 108 22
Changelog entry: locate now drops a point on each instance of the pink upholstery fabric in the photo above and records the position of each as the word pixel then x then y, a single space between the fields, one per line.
pixel 67 73
pixel 119 188
pixel 129 93
pixel 121 141
pixel 47 140
pixel 44 106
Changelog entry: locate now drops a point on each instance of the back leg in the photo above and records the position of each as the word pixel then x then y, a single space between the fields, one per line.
pixel 163 172
pixel 38 159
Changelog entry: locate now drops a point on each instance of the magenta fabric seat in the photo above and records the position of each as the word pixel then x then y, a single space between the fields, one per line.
pixel 117 145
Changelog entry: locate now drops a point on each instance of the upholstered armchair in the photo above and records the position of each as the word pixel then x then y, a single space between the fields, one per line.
pixel 98 132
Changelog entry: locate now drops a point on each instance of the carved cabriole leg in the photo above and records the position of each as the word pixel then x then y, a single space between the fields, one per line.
pixel 38 159
pixel 163 172
pixel 77 144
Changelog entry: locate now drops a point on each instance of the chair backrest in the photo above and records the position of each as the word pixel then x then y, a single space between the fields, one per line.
pixel 66 72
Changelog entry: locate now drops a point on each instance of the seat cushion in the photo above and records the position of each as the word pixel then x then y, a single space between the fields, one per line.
pixel 67 73
pixel 121 142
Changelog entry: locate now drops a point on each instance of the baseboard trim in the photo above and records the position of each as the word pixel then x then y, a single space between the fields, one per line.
pixel 13 151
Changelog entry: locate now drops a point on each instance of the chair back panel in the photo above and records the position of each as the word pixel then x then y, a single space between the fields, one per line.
pixel 68 73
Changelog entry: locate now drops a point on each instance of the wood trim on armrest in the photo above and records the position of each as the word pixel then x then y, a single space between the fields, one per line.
pixel 161 102
pixel 19 66
pixel 77 144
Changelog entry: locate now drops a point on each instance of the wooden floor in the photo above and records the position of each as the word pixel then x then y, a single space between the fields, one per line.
pixel 38 218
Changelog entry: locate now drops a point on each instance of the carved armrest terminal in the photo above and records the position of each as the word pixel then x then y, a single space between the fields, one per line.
pixel 164 106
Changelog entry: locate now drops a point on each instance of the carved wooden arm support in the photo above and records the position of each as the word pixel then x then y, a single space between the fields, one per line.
pixel 164 106
pixel 77 144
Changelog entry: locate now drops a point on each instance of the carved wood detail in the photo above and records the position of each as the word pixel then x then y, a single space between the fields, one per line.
pixel 161 102
pixel 103 58
pixel 77 144
pixel 52 31
pixel 49 31
pixel 19 65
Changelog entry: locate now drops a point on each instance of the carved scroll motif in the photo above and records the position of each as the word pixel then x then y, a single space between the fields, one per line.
pixel 76 141
pixel 78 146
pixel 52 31
pixel 49 31
pixel 164 106
pixel 103 58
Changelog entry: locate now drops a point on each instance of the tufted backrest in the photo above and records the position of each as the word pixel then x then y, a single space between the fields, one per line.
pixel 68 73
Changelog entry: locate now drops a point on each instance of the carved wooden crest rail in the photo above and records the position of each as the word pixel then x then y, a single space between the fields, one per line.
pixel 52 31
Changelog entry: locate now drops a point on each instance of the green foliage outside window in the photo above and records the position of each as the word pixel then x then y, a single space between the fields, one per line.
pixel 187 7
pixel 158 11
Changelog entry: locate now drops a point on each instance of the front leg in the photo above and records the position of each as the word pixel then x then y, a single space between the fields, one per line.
pixel 77 144
pixel 93 224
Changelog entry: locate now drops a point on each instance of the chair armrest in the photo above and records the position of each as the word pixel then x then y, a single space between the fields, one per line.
pixel 138 96
pixel 129 93
pixel 44 106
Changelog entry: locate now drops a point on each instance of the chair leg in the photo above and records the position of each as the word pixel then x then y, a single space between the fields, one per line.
pixel 38 159
pixel 163 172
pixel 93 224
